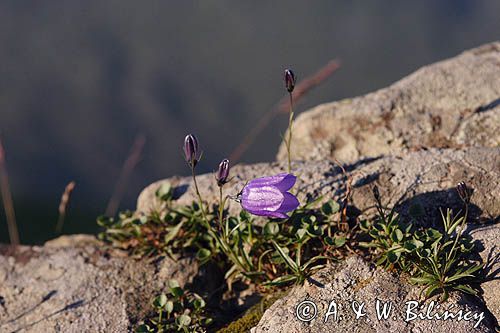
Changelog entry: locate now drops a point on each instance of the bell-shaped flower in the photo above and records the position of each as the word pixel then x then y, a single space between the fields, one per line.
pixel 268 196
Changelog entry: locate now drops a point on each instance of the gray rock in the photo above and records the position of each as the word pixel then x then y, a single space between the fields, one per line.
pixel 69 285
pixel 357 281
pixel 453 103
pixel 488 238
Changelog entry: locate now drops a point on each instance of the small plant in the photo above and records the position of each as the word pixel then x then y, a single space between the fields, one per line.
pixel 390 237
pixel 439 260
pixel 294 241
pixel 179 310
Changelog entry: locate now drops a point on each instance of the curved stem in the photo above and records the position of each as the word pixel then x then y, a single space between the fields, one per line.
pixel 288 141
pixel 221 214
pixel 199 197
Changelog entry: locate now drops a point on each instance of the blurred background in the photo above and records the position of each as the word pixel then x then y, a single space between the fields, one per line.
pixel 81 80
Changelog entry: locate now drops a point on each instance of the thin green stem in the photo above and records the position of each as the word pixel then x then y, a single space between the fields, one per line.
pixel 199 197
pixel 221 213
pixel 288 141
pixel 159 319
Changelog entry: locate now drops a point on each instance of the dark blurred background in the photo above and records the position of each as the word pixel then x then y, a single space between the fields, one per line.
pixel 79 80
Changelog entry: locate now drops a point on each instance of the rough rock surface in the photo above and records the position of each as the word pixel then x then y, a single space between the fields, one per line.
pixel 425 179
pixel 357 281
pixel 70 285
pixel 488 240
pixel 452 103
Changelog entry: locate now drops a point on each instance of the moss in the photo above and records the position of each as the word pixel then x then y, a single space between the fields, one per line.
pixel 252 316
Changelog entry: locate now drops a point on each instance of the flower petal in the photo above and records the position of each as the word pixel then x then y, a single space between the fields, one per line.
pixel 277 215
pixel 257 199
pixel 289 203
pixel 283 181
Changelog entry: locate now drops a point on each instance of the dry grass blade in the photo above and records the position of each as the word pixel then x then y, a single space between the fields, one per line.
pixel 299 92
pixel 63 205
pixel 7 199
pixel 127 168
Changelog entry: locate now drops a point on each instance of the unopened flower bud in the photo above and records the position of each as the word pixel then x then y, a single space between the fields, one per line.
pixel 191 150
pixel 223 172
pixel 289 80
pixel 464 192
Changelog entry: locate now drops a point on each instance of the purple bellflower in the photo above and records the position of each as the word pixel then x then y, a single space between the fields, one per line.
pixel 268 196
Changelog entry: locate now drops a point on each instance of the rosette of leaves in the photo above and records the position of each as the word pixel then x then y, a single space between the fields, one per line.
pixel 167 230
pixel 443 261
pixel 178 310
pixel 439 260
pixel 390 240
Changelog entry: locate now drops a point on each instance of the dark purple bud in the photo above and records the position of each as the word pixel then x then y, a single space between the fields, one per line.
pixel 464 192
pixel 289 80
pixel 191 150
pixel 223 172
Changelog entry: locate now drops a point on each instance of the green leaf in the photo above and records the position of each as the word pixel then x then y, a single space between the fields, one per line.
pixel 313 203
pixel 339 241
pixel 160 301
pixel 169 307
pixel 176 292
pixel 164 192
pixel 183 320
pixel 393 256
pixel 203 254
pixel 368 244
pixel 105 221
pixel 422 280
pixel 271 229
pixel 330 207
pixel 365 225
pixel 301 233
pixel 315 230
pixel 308 220
pixel 285 257
pixel 431 290
pixel 466 289
pixel 244 216
pixel 413 244
pixel 281 280
pixel 397 235
pixel 173 232
pixel 433 234
pixel 199 303
pixel 172 283
pixel 144 329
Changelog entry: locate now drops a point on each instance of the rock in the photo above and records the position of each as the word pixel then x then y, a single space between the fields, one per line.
pixel 355 282
pixel 453 103
pixel 70 285
pixel 424 179
pixel 488 238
